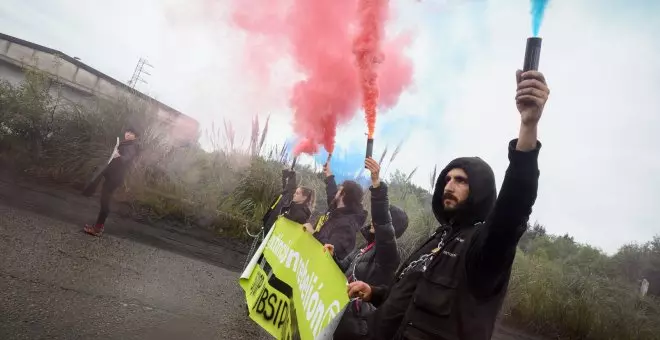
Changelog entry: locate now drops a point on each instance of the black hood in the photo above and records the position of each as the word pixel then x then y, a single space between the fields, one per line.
pixel 399 223
pixel 481 198
pixel 399 220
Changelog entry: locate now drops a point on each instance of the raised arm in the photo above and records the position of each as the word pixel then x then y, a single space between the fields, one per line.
pixel 330 184
pixel 386 252
pixel 330 189
pixel 493 248
pixel 288 188
pixel 289 182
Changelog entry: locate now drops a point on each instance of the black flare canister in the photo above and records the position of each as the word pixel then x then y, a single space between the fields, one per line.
pixel 370 148
pixel 532 54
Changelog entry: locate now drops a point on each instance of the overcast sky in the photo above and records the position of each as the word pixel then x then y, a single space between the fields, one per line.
pixel 600 162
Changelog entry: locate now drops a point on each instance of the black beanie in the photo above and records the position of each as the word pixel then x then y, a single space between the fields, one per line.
pixel 133 131
pixel 399 220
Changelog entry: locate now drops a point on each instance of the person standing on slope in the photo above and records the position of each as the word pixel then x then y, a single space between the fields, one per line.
pixel 375 261
pixel 453 285
pixel 113 178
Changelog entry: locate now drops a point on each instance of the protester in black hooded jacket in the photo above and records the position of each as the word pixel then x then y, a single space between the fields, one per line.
pixel 375 261
pixel 113 178
pixel 345 216
pixel 294 203
pixel 453 286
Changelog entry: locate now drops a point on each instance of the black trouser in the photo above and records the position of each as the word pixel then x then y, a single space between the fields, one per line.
pixel 109 187
pixel 106 195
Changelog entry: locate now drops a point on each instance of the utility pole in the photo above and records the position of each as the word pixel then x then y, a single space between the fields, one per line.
pixel 139 70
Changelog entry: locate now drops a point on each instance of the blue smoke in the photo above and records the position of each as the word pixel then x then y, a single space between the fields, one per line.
pixel 538 11
pixel 346 164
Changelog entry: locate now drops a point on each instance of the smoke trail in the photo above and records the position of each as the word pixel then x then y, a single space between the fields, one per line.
pixel 367 49
pixel 538 11
pixel 318 35
pixel 319 38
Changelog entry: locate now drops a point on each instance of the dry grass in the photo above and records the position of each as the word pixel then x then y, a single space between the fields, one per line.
pixel 230 188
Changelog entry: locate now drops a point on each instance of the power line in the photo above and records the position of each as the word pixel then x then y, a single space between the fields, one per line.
pixel 139 71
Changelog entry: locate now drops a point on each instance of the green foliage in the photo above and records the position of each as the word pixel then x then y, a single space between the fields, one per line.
pixel 558 286
pixel 554 299
pixel 27 112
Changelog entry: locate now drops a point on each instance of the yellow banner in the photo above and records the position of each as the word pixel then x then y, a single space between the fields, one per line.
pixel 293 288
pixel 268 307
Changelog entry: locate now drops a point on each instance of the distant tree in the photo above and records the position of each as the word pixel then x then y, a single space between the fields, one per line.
pixel 652 273
pixel 590 261
pixel 533 231
pixel 631 261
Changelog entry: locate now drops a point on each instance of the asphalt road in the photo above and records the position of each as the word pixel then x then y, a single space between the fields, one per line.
pixel 136 282
pixel 58 283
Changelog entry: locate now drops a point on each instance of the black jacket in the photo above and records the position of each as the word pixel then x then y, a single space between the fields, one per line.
pixel 376 264
pixel 116 170
pixel 373 262
pixel 339 226
pixel 297 212
pixel 283 205
pixel 460 293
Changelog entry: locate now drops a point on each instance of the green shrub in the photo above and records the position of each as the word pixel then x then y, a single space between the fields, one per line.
pixel 555 299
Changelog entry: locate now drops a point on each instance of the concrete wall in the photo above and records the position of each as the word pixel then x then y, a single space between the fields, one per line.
pixel 83 84
pixel 13 73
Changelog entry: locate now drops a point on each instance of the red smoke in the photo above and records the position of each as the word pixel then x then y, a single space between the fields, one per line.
pixel 343 69
pixel 372 14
